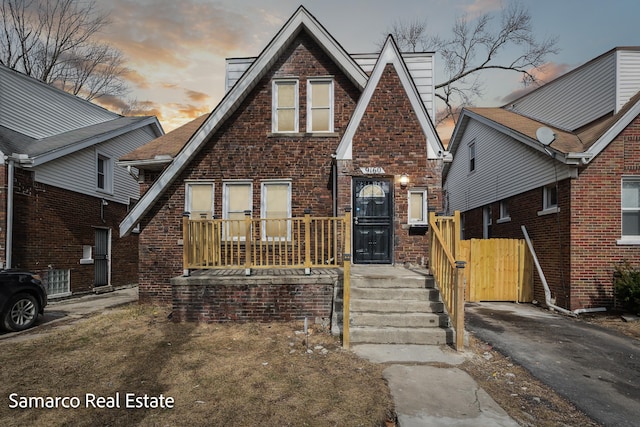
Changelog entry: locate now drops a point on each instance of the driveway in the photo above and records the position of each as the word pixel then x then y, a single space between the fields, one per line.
pixel 597 369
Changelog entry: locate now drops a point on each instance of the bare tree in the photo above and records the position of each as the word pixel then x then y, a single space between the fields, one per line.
pixel 54 41
pixel 476 46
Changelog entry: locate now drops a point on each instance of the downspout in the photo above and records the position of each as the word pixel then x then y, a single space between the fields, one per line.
pixel 547 292
pixel 9 243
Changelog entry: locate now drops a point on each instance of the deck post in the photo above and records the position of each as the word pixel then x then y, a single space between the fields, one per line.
pixel 346 278
pixel 307 241
pixel 185 244
pixel 458 298
pixel 247 242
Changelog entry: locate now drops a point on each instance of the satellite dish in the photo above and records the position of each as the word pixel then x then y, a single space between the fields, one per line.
pixel 545 136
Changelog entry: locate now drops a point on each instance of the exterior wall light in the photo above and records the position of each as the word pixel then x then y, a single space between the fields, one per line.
pixel 404 180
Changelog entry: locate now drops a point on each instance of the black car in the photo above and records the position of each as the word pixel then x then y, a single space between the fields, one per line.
pixel 22 297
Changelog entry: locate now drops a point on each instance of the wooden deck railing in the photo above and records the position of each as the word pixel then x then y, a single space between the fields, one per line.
pixel 248 243
pixel 447 270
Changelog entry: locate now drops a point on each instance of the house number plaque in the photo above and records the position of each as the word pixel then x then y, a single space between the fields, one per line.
pixel 372 170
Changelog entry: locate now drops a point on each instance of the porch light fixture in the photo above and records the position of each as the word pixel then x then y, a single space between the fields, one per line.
pixel 404 180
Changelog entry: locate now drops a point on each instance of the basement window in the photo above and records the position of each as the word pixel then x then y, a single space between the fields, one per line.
pixel 58 283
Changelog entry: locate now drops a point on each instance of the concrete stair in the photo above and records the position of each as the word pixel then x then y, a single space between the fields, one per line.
pixel 395 305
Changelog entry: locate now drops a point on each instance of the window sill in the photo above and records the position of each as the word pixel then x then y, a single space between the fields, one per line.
pixel 505 219
pixel 303 135
pixel 629 241
pixel 86 261
pixel 549 211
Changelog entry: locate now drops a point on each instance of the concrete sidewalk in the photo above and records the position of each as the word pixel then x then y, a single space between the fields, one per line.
pixel 429 390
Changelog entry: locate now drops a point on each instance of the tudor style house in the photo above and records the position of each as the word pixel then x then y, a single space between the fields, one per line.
pixel 562 162
pixel 62 193
pixel 305 129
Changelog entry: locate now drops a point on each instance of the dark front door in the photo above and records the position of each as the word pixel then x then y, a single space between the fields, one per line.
pixel 372 220
pixel 101 258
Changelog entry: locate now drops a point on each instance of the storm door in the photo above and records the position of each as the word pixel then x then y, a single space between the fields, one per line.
pixel 101 257
pixel 372 220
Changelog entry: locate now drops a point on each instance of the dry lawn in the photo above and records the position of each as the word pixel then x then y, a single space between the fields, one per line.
pixel 230 374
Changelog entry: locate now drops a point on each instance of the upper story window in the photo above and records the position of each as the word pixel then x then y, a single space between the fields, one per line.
pixel 285 105
pixel 104 173
pixel 472 156
pixel 418 207
pixel 199 200
pixel 631 207
pixel 320 105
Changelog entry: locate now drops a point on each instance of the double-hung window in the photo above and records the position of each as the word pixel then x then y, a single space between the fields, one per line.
pixel 472 156
pixel 275 210
pixel 418 207
pixel 631 208
pixel 285 106
pixel 320 105
pixel 199 199
pixel 104 173
pixel 236 199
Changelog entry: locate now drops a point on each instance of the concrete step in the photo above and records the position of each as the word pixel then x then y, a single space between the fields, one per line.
pixel 402 320
pixel 430 336
pixel 396 294
pixel 402 281
pixel 394 306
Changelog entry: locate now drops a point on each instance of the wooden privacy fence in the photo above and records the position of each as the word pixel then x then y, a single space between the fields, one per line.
pixel 498 270
pixel 448 269
pixel 303 242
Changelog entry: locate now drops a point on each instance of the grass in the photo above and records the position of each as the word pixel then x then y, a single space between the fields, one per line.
pixel 218 374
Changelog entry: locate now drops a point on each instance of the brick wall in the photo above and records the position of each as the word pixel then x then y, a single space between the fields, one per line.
pixel 52 224
pixel 242 299
pixel 245 148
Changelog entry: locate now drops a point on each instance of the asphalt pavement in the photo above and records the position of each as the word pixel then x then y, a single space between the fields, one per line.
pixel 597 369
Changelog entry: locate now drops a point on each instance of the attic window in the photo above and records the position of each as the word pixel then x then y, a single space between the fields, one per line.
pixel 285 106
pixel 320 105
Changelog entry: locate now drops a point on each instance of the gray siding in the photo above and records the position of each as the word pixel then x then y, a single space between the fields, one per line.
pixel 575 99
pixel 628 76
pixel 77 171
pixel 504 168
pixel 39 110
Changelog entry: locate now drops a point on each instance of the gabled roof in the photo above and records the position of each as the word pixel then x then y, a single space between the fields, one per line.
pixel 300 21
pixel 390 54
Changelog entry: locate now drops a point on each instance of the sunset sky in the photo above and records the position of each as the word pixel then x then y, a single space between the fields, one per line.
pixel 176 50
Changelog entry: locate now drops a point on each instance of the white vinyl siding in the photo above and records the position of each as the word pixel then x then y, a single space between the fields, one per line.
pixel 320 105
pixel 199 199
pixel 628 75
pixel 276 204
pixel 285 106
pixel 508 168
pixel 631 207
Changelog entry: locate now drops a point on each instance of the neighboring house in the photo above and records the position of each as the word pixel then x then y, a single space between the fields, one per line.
pixel 62 193
pixel 575 185
pixel 303 127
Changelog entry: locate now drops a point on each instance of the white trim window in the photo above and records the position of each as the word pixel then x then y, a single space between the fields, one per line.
pixel 104 173
pixel 236 200
pixel 320 105
pixel 630 204
pixel 199 199
pixel 418 207
pixel 276 207
pixel 472 156
pixel 285 106
pixel 505 216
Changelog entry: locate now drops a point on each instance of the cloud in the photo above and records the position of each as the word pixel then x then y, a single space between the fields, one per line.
pixel 543 75
pixel 479 7
pixel 169 31
pixel 137 79
pixel 197 96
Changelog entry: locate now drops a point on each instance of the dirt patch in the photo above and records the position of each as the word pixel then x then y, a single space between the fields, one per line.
pixel 527 400
pixel 231 374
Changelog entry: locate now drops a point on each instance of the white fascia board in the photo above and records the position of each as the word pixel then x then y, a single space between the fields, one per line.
pixel 390 55
pixel 611 133
pixel 69 149
pixel 238 93
pixel 143 163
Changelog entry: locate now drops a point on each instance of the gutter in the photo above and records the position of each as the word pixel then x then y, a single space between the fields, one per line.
pixel 547 293
pixel 9 234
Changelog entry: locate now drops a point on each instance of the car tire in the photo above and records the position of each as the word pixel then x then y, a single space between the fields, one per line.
pixel 22 313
